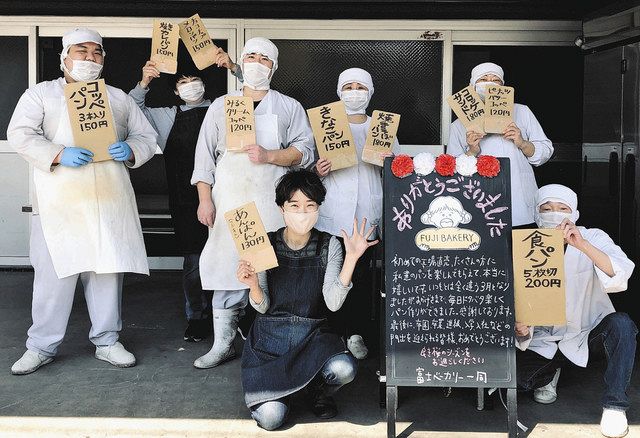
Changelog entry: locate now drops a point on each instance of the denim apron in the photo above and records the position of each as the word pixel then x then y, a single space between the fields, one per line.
pixel 289 344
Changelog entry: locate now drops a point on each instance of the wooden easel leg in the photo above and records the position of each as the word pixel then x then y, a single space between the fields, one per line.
pixel 392 406
pixel 512 412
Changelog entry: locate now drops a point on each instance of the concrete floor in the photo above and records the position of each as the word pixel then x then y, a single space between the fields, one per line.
pixel 79 396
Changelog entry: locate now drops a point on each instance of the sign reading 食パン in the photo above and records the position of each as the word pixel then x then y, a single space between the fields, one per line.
pixel 538 268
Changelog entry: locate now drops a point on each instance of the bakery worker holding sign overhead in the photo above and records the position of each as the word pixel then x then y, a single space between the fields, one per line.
pixel 227 180
pixel 523 142
pixel 178 127
pixel 85 224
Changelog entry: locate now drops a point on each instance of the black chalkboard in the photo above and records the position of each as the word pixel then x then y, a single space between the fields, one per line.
pixel 449 312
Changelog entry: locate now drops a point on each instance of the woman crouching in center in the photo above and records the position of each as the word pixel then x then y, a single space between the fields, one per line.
pixel 290 345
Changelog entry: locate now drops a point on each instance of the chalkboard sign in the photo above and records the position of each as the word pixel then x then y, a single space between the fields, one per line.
pixel 448 280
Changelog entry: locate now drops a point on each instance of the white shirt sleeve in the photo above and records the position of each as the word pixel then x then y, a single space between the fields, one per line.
pixel 161 119
pixel 264 305
pixel 204 164
pixel 622 266
pixel 300 136
pixel 533 132
pixel 141 136
pixel 457 139
pixel 333 290
pixel 25 133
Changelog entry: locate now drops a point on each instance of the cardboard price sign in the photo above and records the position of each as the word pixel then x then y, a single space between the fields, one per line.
pixel 195 36
pixel 381 136
pixel 240 121
pixel 498 107
pixel 164 46
pixel 469 108
pixel 333 135
pixel 91 118
pixel 538 272
pixel 250 237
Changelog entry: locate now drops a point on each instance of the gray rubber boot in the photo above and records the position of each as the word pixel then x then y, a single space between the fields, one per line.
pixel 225 325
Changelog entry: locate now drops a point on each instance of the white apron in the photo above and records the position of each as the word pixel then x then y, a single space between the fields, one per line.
pixel 237 182
pixel 89 215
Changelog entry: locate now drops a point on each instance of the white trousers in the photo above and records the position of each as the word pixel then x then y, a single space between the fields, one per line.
pixel 53 300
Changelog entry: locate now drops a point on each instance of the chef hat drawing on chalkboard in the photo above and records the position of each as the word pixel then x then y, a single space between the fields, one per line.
pixel 445 212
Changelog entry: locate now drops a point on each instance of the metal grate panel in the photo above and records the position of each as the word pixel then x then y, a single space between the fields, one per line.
pixel 407 76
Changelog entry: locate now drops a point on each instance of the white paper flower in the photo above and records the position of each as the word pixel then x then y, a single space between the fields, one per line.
pixel 424 163
pixel 466 165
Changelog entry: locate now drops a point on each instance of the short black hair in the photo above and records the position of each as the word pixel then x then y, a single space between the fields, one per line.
pixel 173 79
pixel 307 182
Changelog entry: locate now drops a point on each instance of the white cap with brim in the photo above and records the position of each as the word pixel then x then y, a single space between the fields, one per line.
pixel 558 193
pixel 484 69
pixel 355 75
pixel 264 47
pixel 77 36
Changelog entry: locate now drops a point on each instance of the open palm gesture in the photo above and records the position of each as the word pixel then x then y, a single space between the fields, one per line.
pixel 357 244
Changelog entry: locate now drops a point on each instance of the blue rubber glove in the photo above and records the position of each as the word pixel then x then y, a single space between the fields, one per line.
pixel 120 151
pixel 75 157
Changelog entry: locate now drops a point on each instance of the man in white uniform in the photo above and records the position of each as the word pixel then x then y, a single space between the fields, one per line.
pixel 85 222
pixel 227 180
pixel 594 267
pixel 523 142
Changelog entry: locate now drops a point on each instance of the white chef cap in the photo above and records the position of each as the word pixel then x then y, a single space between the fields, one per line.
pixel 558 193
pixel 355 75
pixel 484 69
pixel 262 46
pixel 77 36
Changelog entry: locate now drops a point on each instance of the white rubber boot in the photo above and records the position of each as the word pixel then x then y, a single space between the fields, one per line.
pixel 225 325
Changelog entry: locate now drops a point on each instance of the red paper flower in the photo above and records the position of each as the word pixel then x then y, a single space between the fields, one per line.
pixel 446 165
pixel 402 165
pixel 488 166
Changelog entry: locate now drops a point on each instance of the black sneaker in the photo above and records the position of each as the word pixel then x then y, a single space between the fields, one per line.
pixel 193 333
pixel 324 407
pixel 202 328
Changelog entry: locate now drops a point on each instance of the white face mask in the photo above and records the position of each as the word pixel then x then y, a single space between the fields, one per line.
pixel 191 91
pixel 300 223
pixel 551 219
pixel 256 75
pixel 83 71
pixel 481 88
pixel 355 101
